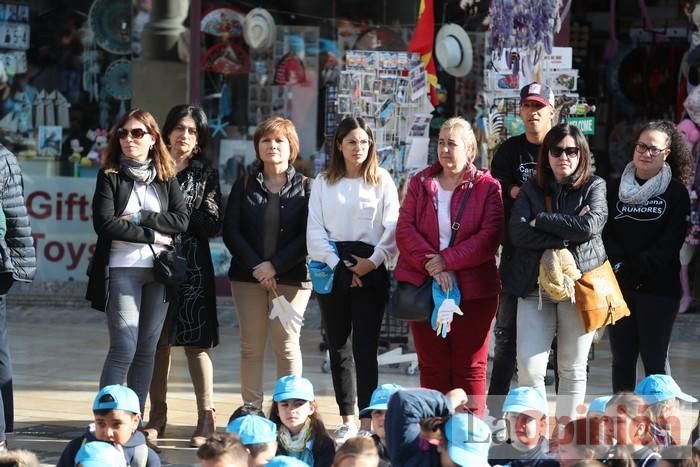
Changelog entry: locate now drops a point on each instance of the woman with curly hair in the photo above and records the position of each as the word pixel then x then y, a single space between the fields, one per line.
pixel 648 207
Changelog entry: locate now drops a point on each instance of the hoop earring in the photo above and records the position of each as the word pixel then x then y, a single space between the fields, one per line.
pixel 196 149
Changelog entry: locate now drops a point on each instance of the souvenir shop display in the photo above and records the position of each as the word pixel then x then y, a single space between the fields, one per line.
pixel 110 20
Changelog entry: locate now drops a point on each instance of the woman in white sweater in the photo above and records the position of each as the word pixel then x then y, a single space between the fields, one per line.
pixel 354 205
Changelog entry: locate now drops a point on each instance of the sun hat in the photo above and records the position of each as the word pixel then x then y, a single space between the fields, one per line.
pixel 453 50
pixel 252 429
pixel 468 440
pixel 293 387
pixel 117 397
pixel 659 388
pixel 259 29
pixel 380 398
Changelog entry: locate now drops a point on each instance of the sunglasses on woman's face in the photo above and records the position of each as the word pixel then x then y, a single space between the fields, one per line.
pixel 571 151
pixel 136 133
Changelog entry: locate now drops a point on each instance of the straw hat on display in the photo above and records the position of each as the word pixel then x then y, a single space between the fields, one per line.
pixel 259 29
pixel 453 50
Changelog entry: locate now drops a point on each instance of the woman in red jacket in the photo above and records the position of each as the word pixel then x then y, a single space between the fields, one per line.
pixel 423 233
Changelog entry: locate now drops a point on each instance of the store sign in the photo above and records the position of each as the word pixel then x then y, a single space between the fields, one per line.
pixel 585 124
pixel 60 212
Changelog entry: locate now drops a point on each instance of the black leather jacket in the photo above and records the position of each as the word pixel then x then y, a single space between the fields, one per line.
pixel 563 227
pixel 244 228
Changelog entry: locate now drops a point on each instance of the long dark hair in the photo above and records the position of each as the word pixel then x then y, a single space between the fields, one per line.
pixel 181 111
pixel 583 172
pixel 163 163
pixel 320 435
pixel 336 169
pixel 679 157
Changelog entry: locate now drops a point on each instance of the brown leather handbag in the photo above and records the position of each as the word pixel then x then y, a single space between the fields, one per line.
pixel 599 300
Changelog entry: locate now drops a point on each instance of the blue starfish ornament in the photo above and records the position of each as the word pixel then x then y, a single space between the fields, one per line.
pixel 217 126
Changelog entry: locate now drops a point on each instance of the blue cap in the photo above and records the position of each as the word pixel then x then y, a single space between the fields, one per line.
pixel 524 399
pixel 380 398
pixel 99 454
pixel 253 429
pixel 117 397
pixel 598 404
pixel 282 461
pixel 468 440
pixel 659 388
pixel 293 387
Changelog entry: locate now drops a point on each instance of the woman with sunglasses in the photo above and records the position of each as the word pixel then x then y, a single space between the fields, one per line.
pixel 191 321
pixel 649 207
pixel 137 209
pixel 562 206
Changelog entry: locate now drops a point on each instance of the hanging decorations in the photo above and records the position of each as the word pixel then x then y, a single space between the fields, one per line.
pixel 110 20
pixel 218 125
pixel 117 82
pixel 223 21
pixel 527 26
pixel 227 58
pixel 91 67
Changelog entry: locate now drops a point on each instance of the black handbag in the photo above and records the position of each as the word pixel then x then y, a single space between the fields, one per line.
pixel 415 303
pixel 169 266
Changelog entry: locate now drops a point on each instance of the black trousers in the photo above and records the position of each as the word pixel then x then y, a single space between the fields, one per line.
pixel 6 396
pixel 646 332
pixel 504 356
pixel 358 311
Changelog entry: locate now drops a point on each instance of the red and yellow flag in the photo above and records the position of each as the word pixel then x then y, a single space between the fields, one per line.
pixel 422 42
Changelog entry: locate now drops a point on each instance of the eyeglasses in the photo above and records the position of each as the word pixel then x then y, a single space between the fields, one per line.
pixel 136 133
pixel 641 148
pixel 571 151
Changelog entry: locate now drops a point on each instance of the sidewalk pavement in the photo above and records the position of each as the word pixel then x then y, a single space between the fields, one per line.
pixel 58 354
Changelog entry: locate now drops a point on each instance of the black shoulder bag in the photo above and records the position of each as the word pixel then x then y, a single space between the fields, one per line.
pixel 415 303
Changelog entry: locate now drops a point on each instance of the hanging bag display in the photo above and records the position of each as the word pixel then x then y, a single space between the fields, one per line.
pixel 409 302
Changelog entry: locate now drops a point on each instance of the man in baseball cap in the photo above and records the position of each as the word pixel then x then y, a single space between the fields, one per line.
pixel 537 92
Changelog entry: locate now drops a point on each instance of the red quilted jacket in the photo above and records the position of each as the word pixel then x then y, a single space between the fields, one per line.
pixel 473 254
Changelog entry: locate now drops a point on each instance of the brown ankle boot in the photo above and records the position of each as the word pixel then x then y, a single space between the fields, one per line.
pixel 157 419
pixel 206 426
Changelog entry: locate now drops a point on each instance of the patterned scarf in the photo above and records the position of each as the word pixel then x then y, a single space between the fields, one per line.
pixel 139 171
pixel 631 192
pixel 298 446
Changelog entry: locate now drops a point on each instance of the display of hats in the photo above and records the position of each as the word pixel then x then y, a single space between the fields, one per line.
pixel 453 50
pixel 227 58
pixel 223 21
pixel 110 20
pixel 259 29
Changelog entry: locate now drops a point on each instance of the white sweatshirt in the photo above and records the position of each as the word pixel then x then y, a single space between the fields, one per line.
pixel 352 210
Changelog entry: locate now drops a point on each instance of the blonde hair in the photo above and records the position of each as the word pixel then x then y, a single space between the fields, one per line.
pixel 465 131
pixel 359 448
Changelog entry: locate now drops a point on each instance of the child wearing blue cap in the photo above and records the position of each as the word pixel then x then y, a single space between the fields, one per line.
pixel 286 461
pixel 422 429
pixel 525 413
pixel 301 432
pixel 117 415
pixel 258 435
pixel 663 395
pixel 99 454
pixel 222 450
pixel 377 411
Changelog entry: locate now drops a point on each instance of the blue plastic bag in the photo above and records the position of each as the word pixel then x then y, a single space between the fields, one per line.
pixel 321 275
pixel 439 296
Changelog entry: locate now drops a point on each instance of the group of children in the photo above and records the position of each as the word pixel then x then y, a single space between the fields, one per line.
pixel 411 427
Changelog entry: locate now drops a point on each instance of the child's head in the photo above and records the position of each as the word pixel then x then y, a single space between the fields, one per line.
pixel 246 409
pixel 525 411
pixel 117 414
pixel 461 439
pixel 258 435
pixel 99 454
pixel 627 420
pixel 662 394
pixel 293 402
pixel 222 450
pixel 357 452
pixel 597 406
pixel 576 441
pixel 377 407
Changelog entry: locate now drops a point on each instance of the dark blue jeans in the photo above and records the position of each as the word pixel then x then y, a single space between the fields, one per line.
pixel 6 397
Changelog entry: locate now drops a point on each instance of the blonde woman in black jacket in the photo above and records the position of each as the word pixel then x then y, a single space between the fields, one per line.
pixel 137 202
pixel 265 231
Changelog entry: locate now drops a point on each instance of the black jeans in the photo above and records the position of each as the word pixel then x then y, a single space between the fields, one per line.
pixel 6 397
pixel 359 310
pixel 646 332
pixel 504 363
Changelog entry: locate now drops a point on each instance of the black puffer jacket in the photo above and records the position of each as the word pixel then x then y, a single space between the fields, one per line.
pixel 563 227
pixel 244 228
pixel 18 253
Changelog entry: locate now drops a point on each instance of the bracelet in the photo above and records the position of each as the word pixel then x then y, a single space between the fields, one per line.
pixel 135 217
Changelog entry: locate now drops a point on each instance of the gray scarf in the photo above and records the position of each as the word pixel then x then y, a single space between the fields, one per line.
pixel 631 192
pixel 140 171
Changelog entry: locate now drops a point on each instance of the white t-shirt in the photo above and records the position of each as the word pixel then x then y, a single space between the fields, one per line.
pixel 129 254
pixel 444 199
pixel 352 210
